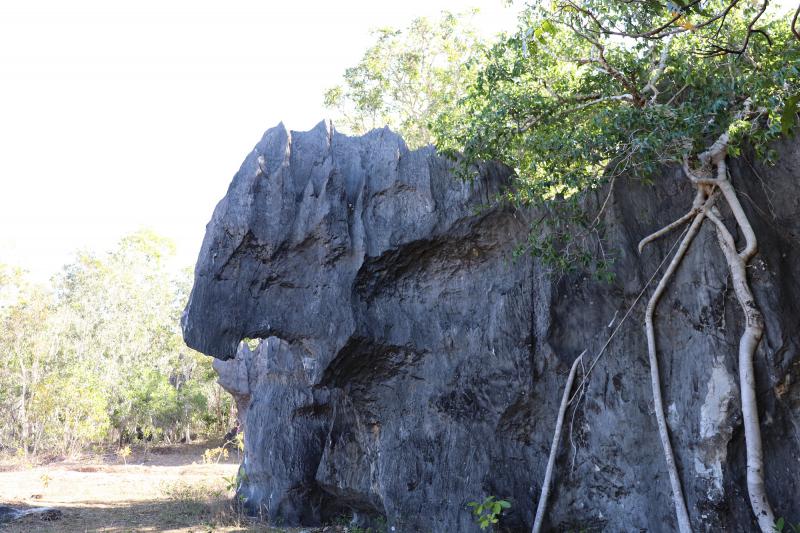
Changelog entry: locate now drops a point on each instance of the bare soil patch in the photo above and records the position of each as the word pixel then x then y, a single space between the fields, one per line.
pixel 168 489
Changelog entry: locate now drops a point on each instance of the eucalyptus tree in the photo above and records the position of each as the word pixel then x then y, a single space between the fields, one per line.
pixel 24 352
pixel 98 355
pixel 124 312
pixel 407 77
pixel 586 92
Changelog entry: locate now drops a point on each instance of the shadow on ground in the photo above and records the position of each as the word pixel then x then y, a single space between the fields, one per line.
pixel 155 515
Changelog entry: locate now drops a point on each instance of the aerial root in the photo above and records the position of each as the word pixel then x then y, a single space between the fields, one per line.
pixel 697 206
pixel 551 461
pixel 754 322
pixel 748 344
pixel 702 202
pixel 708 190
pixel 666 229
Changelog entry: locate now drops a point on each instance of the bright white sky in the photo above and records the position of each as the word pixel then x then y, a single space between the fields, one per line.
pixel 117 115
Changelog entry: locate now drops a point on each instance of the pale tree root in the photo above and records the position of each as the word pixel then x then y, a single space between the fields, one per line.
pixel 748 344
pixel 703 207
pixel 674 225
pixel 754 322
pixel 701 203
pixel 551 461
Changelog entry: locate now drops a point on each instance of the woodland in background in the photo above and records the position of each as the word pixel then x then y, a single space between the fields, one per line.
pixel 96 357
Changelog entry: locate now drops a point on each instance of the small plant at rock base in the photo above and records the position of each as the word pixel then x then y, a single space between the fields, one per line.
pixel 214 455
pixel 232 482
pixel 124 453
pixel 782 526
pixel 487 513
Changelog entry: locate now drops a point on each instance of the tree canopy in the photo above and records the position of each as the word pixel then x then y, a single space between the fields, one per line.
pixel 408 77
pixel 584 92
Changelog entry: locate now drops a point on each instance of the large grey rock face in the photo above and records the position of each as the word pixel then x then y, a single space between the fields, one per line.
pixel 410 365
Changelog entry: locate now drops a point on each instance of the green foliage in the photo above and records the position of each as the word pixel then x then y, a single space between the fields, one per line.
pixel 252 344
pixel 238 440
pixel 156 403
pixel 70 411
pixel 99 356
pixel 407 77
pixel 581 95
pixel 123 453
pixel 781 526
pixel 789 115
pixel 214 455
pixel 487 513
pixel 233 482
pixel 346 522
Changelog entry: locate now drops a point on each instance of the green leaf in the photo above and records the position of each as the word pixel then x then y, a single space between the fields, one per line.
pixel 789 115
pixel 549 27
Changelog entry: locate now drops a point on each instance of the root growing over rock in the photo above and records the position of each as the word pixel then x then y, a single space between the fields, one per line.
pixel 551 461
pixel 708 188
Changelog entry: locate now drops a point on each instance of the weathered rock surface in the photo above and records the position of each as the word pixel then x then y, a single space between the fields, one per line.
pixel 410 365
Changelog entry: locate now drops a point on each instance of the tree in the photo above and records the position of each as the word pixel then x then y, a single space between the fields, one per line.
pixel 27 355
pixel 124 311
pixel 408 77
pixel 98 356
pixel 590 91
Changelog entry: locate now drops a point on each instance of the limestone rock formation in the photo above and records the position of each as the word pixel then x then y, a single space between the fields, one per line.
pixel 410 364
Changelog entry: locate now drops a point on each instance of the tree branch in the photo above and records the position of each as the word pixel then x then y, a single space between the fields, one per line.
pixel 532 121
pixel 717 50
pixel 794 23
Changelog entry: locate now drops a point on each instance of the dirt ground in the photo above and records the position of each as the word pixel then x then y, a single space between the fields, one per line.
pixel 168 489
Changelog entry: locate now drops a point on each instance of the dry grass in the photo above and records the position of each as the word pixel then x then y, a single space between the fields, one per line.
pixel 166 489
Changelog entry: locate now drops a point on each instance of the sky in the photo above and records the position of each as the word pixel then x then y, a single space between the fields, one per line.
pixel 121 115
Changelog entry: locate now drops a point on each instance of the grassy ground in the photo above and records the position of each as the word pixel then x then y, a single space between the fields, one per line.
pixel 167 489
